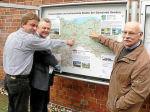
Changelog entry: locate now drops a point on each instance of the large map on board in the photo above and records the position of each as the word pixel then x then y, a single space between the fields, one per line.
pixel 87 56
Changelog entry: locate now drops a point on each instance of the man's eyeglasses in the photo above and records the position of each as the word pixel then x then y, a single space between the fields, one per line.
pixel 130 33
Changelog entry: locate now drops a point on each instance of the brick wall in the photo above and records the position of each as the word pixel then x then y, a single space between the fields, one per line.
pixel 80 95
pixel 75 94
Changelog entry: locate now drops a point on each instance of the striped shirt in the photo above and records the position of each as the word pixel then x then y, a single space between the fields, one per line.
pixel 19 49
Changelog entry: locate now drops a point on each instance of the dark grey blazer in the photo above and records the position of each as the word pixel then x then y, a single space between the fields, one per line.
pixel 39 76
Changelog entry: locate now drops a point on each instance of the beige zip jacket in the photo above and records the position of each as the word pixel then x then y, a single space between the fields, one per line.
pixel 130 78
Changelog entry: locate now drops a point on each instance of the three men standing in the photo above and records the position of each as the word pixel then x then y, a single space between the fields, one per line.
pixel 130 78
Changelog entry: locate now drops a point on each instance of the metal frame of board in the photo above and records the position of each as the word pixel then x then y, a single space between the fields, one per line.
pixel 142 13
pixel 78 76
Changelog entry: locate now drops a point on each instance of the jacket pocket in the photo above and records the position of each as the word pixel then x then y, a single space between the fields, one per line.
pixel 114 104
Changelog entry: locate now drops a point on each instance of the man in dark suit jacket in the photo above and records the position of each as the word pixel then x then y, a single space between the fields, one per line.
pixel 40 79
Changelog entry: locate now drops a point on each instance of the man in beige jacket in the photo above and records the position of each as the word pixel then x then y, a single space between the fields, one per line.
pixel 130 78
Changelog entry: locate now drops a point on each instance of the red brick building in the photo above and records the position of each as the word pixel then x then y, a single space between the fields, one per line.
pixel 77 95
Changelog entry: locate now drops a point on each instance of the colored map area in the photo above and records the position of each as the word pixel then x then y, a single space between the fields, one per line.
pixel 79 29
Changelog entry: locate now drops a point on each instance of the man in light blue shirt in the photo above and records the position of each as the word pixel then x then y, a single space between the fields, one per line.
pixel 18 58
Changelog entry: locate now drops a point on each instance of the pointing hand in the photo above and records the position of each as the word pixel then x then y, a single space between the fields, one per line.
pixel 93 35
pixel 70 42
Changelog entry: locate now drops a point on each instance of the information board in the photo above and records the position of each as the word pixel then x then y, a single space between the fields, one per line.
pixel 76 21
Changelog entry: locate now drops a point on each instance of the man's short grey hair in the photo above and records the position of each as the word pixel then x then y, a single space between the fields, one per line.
pixel 44 20
pixel 137 24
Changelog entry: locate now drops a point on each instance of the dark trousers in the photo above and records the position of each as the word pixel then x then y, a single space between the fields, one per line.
pixel 18 93
pixel 39 100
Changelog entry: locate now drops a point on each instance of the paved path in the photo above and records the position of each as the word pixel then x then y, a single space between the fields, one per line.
pixel 3 103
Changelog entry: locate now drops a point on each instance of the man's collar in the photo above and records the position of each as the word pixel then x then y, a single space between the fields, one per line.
pixel 135 53
pixel 38 34
pixel 132 47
